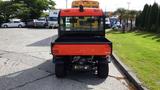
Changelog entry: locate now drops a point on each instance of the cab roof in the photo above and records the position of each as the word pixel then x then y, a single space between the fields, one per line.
pixel 77 12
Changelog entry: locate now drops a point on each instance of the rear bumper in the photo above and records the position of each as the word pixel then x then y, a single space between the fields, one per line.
pixel 81 49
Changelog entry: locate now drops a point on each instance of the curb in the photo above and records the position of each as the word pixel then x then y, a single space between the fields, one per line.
pixel 128 73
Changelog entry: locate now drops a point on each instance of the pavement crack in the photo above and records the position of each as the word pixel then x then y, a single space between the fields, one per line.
pixel 5 63
pixel 22 54
pixel 19 86
pixel 47 71
pixel 129 85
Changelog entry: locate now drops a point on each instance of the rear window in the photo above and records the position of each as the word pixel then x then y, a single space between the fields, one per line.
pixel 41 19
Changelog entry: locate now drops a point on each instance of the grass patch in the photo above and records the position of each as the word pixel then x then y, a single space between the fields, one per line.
pixel 141 52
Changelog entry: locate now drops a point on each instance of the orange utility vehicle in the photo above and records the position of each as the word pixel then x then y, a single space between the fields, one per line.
pixel 83 48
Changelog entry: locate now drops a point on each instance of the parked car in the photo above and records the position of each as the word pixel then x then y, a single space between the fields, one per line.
pixel 113 20
pixel 52 22
pixel 41 22
pixel 30 23
pixel 14 23
pixel 117 25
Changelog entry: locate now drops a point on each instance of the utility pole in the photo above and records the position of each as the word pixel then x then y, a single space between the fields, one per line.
pixel 105 12
pixel 128 3
pixel 66 3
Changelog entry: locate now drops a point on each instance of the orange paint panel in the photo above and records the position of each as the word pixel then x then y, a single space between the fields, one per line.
pixel 81 49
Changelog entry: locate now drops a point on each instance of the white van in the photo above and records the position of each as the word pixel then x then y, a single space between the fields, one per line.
pixel 52 22
pixel 53 18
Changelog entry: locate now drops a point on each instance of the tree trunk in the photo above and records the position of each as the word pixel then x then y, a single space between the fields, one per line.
pixel 131 24
pixel 120 19
pixel 123 26
pixel 127 22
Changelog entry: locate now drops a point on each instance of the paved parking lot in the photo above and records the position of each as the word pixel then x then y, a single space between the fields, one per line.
pixel 26 64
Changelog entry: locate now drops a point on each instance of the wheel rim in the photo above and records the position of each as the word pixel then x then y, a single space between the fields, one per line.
pixel 5 26
pixel 20 26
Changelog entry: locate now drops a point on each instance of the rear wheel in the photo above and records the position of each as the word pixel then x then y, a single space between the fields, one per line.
pixel 5 26
pixel 103 68
pixel 60 70
pixel 20 26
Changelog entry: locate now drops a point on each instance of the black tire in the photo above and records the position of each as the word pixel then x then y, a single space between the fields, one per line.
pixel 103 68
pixel 5 26
pixel 60 70
pixel 19 26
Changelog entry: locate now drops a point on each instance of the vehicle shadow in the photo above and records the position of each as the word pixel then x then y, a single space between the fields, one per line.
pixel 42 77
pixel 88 78
pixel 44 42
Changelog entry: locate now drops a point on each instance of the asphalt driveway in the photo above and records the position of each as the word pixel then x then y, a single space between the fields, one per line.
pixel 26 64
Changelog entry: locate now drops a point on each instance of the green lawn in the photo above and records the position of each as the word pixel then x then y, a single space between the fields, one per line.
pixel 141 52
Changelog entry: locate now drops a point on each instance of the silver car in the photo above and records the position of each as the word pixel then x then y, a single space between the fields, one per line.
pixel 18 24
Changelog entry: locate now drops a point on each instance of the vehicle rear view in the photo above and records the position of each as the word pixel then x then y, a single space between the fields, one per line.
pixel 81 44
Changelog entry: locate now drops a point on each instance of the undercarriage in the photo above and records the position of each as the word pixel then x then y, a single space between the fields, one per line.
pixel 97 64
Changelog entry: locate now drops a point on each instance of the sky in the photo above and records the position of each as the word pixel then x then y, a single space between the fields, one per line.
pixel 112 5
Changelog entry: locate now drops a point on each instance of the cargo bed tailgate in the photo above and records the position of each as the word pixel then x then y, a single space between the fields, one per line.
pixel 81 47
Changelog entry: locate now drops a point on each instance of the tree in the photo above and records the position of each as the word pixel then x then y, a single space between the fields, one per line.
pixel 143 15
pixel 125 15
pixel 35 8
pixel 148 26
pixel 138 19
pixel 158 21
pixel 132 16
pixel 121 12
pixel 7 10
pixel 147 18
pixel 1 17
pixel 154 13
pixel 24 9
